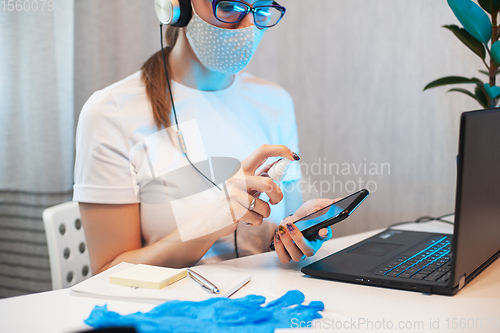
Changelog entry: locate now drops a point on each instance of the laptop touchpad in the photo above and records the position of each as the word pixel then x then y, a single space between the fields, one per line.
pixel 375 249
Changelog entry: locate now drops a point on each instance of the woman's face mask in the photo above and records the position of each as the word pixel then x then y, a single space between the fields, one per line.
pixel 222 50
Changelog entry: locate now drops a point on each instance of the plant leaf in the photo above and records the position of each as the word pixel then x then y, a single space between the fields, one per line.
pixel 479 83
pixel 468 93
pixel 495 53
pixel 486 5
pixel 481 97
pixel 463 91
pixel 473 19
pixel 488 73
pixel 472 43
pixel 452 80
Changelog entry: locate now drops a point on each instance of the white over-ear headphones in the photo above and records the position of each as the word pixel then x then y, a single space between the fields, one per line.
pixel 174 12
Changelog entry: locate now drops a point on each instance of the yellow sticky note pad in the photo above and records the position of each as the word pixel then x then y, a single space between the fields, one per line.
pixel 146 276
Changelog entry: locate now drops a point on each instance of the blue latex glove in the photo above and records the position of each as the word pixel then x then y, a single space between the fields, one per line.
pixel 240 315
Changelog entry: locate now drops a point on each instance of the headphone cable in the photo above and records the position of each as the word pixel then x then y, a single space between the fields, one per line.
pixel 181 137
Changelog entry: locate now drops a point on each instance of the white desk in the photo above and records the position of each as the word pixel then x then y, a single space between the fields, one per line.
pixel 58 311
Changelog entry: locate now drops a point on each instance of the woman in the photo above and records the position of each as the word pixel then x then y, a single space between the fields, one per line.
pixel 140 198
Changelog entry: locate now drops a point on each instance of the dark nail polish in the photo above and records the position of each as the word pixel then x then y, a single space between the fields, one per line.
pixel 276 237
pixel 296 157
pixel 282 230
pixel 290 228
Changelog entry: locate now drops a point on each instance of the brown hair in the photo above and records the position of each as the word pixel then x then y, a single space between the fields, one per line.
pixel 153 76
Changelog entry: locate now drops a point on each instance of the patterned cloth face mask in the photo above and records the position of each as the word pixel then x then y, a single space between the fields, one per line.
pixel 222 50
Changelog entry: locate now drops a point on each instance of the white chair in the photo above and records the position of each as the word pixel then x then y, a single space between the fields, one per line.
pixel 69 259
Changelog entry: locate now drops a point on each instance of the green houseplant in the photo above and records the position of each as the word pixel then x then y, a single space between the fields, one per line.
pixel 480 33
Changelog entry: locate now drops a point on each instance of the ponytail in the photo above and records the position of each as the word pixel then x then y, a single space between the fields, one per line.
pixel 153 77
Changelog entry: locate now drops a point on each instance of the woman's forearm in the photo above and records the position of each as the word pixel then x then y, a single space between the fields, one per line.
pixel 187 244
pixel 170 251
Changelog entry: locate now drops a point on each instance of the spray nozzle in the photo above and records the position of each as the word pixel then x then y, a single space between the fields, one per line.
pixel 278 170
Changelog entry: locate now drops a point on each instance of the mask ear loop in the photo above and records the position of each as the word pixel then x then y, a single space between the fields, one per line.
pixel 181 137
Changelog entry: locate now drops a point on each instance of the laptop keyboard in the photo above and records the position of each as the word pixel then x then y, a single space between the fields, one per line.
pixel 429 262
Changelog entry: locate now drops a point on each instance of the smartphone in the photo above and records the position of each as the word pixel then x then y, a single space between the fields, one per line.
pixel 310 225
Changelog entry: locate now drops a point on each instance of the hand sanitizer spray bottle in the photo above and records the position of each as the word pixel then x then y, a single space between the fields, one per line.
pixel 278 170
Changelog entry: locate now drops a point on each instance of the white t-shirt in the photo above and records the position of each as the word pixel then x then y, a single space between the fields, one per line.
pixel 122 157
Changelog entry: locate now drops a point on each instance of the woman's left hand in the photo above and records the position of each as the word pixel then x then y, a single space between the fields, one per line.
pixel 289 242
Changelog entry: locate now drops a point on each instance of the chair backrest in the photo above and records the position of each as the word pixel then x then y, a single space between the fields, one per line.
pixel 69 259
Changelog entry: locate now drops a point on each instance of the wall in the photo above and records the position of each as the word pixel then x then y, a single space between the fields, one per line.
pixel 356 70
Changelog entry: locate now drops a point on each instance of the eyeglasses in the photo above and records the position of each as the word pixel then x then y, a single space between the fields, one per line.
pixel 264 16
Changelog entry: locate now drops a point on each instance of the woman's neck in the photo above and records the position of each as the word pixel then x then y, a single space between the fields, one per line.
pixel 187 69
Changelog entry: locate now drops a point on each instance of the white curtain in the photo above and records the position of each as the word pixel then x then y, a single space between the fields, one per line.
pixel 36 137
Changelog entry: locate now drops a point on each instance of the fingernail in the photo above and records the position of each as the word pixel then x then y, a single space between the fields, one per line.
pixel 281 230
pixel 276 237
pixel 290 228
pixel 296 157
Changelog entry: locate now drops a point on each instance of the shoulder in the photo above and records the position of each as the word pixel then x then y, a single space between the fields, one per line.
pixel 267 90
pixel 112 103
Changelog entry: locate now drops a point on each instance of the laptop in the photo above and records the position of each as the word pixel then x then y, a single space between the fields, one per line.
pixel 432 262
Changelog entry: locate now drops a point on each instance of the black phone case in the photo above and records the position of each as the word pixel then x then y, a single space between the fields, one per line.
pixel 312 232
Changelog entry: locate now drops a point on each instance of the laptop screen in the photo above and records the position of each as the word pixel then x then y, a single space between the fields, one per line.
pixel 477 221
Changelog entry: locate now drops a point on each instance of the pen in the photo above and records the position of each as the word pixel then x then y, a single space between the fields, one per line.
pixel 209 286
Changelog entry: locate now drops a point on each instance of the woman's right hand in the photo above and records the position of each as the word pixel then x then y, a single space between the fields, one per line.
pixel 239 190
